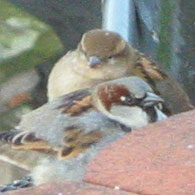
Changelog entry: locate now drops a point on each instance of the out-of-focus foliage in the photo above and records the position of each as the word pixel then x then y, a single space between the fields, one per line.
pixel 187 21
pixel 166 15
pixel 24 41
pixel 176 49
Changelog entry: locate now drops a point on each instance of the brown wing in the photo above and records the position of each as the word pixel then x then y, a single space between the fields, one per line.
pixel 75 102
pixel 176 100
pixel 148 70
pixel 75 139
pixel 25 140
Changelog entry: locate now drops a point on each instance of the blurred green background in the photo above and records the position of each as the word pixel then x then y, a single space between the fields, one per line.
pixel 25 42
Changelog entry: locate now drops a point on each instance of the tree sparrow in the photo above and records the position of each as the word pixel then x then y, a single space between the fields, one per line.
pixel 103 55
pixel 72 128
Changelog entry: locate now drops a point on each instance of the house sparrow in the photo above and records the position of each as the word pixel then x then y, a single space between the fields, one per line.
pixel 103 55
pixel 72 128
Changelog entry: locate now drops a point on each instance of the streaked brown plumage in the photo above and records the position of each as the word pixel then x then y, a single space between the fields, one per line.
pixel 75 126
pixel 103 55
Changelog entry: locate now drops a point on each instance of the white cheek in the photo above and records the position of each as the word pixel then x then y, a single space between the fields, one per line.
pixel 134 117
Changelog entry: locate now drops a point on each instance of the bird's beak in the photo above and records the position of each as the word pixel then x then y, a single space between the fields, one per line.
pixel 94 61
pixel 151 99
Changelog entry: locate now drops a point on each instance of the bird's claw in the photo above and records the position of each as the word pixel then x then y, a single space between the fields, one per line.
pixel 17 184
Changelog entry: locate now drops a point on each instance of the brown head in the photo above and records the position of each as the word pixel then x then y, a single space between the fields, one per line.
pixel 101 46
pixel 129 101
pixel 129 91
pixel 112 94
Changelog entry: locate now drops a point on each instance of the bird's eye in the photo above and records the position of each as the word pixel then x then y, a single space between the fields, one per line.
pixel 126 99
